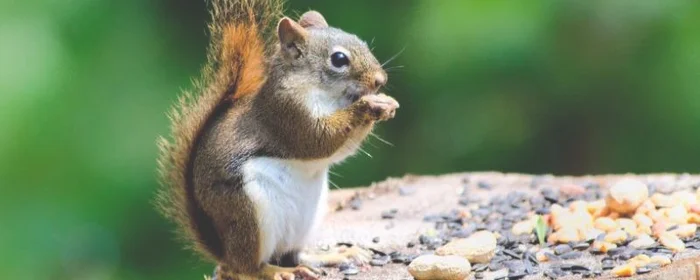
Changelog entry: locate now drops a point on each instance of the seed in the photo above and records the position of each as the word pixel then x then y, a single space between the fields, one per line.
pixel 616 237
pixel 605 224
pixel 643 270
pixel 349 269
pixel 642 241
pixel 495 265
pixel 685 231
pixel 639 260
pixel 516 275
pixel 479 267
pixel 642 220
pixel 555 273
pixel 677 214
pixel 628 225
pixel 484 186
pixel 579 269
pixel 571 255
pixel 512 254
pixel 603 246
pixel 379 261
pixel 660 259
pixel 672 242
pixel 542 255
pixel 624 270
pixel 562 249
pixel 388 215
pixel 626 195
pixel 581 246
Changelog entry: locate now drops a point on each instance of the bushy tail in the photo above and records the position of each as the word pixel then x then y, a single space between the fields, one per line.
pixel 241 33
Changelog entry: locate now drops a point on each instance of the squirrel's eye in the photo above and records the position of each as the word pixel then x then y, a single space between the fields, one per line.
pixel 339 59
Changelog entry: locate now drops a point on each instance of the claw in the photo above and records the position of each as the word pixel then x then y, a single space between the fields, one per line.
pixel 284 276
pixel 307 272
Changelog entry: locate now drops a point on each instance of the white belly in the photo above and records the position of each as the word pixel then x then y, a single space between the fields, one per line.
pixel 290 198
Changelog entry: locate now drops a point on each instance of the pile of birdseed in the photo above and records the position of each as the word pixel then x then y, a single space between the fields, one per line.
pixel 591 230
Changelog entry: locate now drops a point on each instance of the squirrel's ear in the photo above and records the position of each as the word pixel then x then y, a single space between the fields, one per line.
pixel 313 19
pixel 291 36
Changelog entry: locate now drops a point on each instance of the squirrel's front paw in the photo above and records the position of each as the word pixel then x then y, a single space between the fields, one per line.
pixel 379 107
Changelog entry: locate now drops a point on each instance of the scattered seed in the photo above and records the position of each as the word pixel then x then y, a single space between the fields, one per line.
pixel 581 246
pixel 500 213
pixel 512 254
pixel 516 275
pixel 579 269
pixel 484 186
pixel 514 265
pixel 551 257
pixel 348 269
pixel 400 258
pixel 643 270
pixel 531 258
pixel 562 249
pixel 389 214
pixel 495 265
pixel 624 270
pixel 479 267
pixel 379 262
pixel 555 273
pixel 571 255
pixel 409 259
pixel 692 245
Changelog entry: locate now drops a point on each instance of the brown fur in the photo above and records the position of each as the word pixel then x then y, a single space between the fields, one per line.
pixel 235 68
pixel 250 106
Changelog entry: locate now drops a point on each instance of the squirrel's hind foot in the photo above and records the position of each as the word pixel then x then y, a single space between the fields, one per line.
pixel 291 273
pixel 272 272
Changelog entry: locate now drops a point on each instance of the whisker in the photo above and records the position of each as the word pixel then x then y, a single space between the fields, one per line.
pixel 335 173
pixel 333 184
pixel 359 147
pixel 394 57
pixel 380 139
pixel 394 68
pixel 370 143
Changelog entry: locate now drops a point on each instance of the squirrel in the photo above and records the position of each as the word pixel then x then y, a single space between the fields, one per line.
pixel 245 172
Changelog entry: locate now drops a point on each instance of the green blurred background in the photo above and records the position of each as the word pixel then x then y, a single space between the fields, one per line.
pixel 563 87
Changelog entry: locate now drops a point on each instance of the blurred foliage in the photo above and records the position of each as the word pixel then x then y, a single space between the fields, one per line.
pixel 564 87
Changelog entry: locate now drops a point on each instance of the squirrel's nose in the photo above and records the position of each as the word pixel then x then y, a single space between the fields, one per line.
pixel 379 80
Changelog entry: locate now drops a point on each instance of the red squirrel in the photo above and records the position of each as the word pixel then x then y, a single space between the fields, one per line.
pixel 245 173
